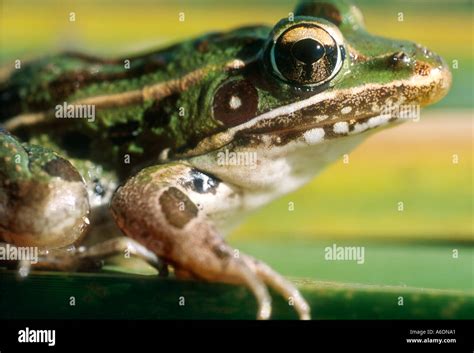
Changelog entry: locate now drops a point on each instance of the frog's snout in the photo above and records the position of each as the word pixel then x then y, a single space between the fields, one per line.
pixel 430 71
pixel 432 66
pixel 425 55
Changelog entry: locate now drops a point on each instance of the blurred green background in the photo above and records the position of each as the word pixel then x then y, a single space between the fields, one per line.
pixel 348 204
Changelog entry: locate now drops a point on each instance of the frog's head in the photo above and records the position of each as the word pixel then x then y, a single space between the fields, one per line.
pixel 344 79
pixel 321 76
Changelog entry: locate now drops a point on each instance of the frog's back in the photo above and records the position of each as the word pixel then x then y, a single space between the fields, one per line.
pixel 129 105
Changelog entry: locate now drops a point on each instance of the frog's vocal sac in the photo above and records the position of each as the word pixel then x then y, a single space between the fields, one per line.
pixel 294 97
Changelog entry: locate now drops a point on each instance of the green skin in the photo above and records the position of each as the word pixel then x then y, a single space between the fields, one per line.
pixel 163 122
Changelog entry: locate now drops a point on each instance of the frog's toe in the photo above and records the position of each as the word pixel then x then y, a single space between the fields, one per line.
pixel 218 264
pixel 121 245
pixel 280 285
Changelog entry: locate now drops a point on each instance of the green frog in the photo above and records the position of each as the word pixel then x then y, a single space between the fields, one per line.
pixel 174 147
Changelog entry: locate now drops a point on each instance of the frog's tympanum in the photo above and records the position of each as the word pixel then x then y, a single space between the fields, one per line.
pixel 176 146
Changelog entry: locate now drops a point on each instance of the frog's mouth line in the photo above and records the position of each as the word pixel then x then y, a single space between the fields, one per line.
pixel 338 127
pixel 353 110
pixel 418 90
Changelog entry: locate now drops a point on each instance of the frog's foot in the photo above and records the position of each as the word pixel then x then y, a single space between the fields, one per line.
pixel 281 285
pixel 255 274
pixel 43 199
pixel 170 210
pixel 86 258
pixel 120 245
pixel 218 264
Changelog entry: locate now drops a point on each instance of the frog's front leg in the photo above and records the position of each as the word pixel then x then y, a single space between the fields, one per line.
pixel 171 209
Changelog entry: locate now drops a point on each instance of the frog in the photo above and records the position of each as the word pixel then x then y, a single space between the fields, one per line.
pixel 149 145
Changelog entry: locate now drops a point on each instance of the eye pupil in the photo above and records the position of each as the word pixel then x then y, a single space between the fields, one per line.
pixel 308 50
pixel 306 54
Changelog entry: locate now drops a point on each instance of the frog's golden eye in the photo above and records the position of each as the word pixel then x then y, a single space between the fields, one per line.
pixel 306 54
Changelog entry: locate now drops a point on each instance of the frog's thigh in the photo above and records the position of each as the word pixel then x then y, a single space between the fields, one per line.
pixel 43 199
pixel 169 210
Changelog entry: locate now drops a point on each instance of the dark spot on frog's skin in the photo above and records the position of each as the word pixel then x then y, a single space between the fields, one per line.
pixel 177 207
pixel 76 144
pixel 66 84
pixel 221 251
pixel 159 113
pixel 320 9
pixel 202 183
pixel 122 133
pixel 250 49
pixel 23 133
pixel 69 82
pixel 249 140
pixel 10 101
pixel 422 69
pixel 63 169
pixel 202 46
pixel 235 102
